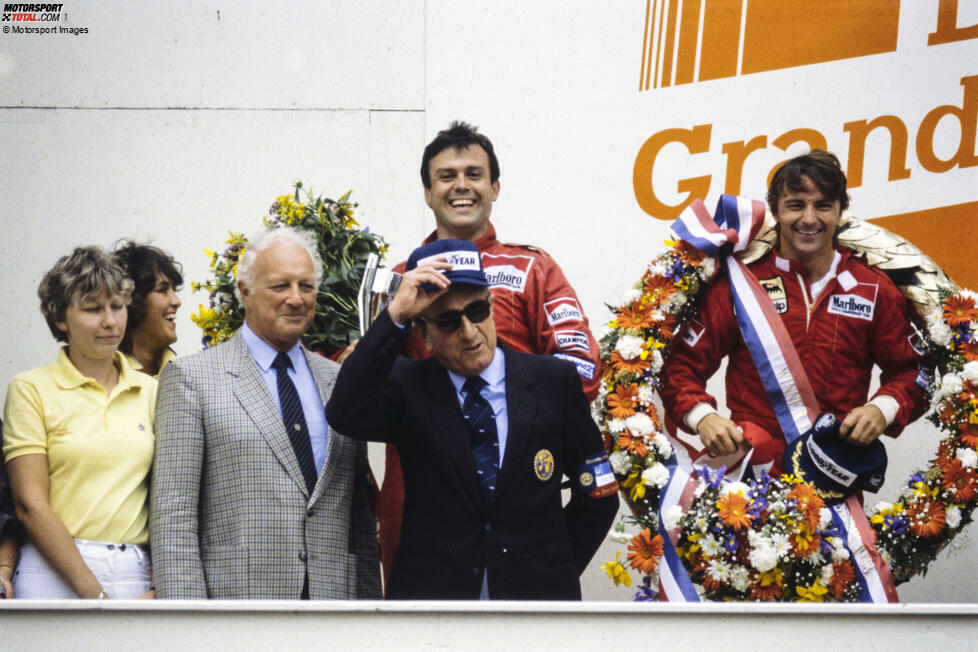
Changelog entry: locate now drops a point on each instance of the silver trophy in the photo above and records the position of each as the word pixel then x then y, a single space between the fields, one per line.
pixel 376 291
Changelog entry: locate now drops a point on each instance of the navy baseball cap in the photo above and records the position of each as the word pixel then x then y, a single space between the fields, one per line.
pixel 836 468
pixel 462 255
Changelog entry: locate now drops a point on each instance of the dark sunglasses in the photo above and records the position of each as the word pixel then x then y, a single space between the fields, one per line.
pixel 451 320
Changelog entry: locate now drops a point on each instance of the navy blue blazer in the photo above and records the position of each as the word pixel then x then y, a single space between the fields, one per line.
pixel 528 543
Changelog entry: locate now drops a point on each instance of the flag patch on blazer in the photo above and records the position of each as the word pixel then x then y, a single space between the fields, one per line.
pixel 596 478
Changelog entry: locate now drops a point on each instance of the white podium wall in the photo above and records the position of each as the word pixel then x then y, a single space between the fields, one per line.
pixel 176 123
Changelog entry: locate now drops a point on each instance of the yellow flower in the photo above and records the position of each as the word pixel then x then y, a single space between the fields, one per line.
pixel 638 491
pixel 813 593
pixel 788 478
pixel 617 572
pixel 771 577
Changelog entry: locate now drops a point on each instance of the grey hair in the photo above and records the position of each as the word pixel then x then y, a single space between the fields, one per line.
pixel 264 239
pixel 86 272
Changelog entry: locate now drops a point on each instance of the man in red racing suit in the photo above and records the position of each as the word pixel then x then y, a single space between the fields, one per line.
pixel 842 316
pixel 858 319
pixel 535 309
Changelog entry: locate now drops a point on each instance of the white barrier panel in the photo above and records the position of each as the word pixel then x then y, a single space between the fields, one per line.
pixel 231 625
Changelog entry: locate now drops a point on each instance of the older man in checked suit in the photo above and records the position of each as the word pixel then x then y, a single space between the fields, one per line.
pixel 253 496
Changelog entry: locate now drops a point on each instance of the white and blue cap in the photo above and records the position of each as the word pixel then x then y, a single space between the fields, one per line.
pixel 836 468
pixel 462 255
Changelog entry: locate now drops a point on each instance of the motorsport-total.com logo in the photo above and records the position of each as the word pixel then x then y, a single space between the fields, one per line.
pixel 30 13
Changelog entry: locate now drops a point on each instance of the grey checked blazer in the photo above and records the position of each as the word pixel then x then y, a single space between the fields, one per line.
pixel 230 516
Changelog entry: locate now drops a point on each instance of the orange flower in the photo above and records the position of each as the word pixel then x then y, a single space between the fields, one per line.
pixel 809 504
pixel 688 252
pixel 927 518
pixel 969 433
pixel 623 401
pixel 668 326
pixel 959 310
pixel 765 593
pixel 659 286
pixel 618 363
pixel 945 453
pixel 733 511
pixel 645 551
pixel 843 575
pixel 768 585
pixel 946 412
pixel 969 350
pixel 634 318
pixel 958 480
pixel 634 445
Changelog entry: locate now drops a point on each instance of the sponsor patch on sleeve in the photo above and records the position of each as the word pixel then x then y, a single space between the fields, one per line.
pixel 694 331
pixel 572 341
pixel 925 378
pixel 585 368
pixel 595 477
pixel 563 309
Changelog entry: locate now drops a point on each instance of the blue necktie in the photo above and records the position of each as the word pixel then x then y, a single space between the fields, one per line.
pixel 295 420
pixel 481 423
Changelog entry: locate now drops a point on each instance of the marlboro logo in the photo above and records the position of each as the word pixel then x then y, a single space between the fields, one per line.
pixel 563 309
pixel 851 305
pixel 507 272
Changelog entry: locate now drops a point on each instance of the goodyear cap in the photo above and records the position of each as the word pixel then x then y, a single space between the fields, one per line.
pixel 835 467
pixel 462 255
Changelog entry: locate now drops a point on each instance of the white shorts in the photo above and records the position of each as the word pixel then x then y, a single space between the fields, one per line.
pixel 124 571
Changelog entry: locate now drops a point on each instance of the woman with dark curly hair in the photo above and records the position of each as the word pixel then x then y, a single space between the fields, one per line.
pixel 152 314
pixel 78 442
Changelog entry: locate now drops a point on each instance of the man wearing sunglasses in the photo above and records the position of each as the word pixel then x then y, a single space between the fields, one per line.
pixel 485 435
pixel 536 309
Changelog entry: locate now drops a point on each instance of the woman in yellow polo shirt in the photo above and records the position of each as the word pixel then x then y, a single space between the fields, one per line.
pixel 78 441
pixel 151 328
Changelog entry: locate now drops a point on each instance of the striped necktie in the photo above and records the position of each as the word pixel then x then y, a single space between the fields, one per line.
pixel 295 420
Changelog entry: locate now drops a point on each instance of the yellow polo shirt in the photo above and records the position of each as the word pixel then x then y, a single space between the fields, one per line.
pixel 99 447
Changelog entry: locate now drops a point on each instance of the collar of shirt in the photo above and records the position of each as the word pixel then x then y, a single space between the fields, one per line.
pixel 815 287
pixel 264 355
pixel 67 376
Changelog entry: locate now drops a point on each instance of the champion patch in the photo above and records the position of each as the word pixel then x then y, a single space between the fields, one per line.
pixel 595 477
pixel 852 305
pixel 775 290
pixel 572 341
pixel 693 332
pixel 507 272
pixel 543 464
pixel 563 309
pixel 585 368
